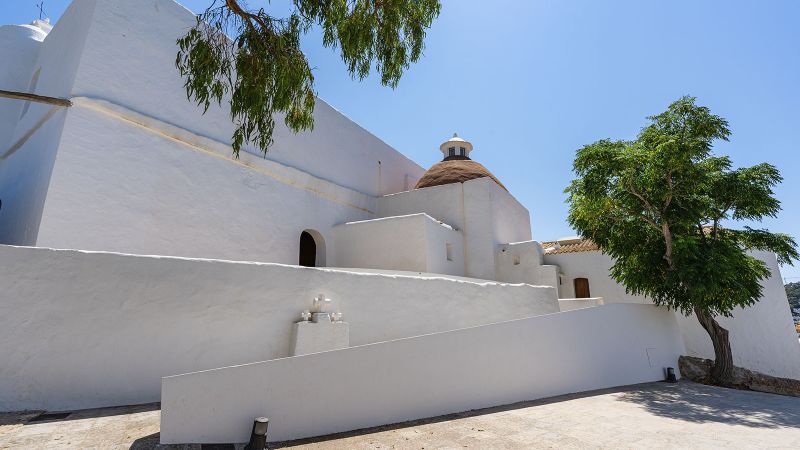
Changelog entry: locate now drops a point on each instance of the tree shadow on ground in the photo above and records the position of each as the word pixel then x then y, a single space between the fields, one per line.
pixel 699 403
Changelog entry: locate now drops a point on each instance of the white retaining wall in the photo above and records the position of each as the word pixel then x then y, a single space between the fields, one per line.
pixel 762 336
pixel 423 376
pixel 81 330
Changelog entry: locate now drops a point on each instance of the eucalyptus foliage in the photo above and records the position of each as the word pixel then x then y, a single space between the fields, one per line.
pixel 665 208
pixel 254 60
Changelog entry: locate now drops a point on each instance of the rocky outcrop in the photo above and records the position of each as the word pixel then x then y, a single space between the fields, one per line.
pixel 699 370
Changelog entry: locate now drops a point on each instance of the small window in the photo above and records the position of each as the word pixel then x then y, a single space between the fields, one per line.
pixel 462 151
pixel 516 260
pixel 449 251
pixel 451 151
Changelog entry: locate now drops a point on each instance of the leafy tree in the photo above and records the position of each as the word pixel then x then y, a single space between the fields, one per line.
pixel 254 59
pixel 793 294
pixel 664 208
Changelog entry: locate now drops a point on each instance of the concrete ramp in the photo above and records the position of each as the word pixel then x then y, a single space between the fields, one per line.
pixel 423 376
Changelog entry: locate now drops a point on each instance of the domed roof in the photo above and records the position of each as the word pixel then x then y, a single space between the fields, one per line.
pixel 454 171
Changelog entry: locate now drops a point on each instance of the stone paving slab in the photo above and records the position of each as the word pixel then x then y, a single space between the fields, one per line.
pixel 654 415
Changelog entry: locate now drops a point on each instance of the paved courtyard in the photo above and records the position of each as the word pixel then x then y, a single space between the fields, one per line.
pixel 655 415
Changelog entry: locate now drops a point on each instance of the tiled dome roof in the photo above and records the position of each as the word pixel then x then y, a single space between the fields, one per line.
pixel 454 171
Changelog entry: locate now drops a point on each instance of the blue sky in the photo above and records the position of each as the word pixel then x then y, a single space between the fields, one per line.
pixel 529 82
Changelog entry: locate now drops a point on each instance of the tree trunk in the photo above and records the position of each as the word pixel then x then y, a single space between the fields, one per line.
pixel 722 372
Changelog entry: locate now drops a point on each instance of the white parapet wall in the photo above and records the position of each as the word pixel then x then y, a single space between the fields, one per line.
pixel 82 329
pixel 423 376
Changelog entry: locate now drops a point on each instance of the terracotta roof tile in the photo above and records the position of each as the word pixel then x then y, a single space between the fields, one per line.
pixel 585 245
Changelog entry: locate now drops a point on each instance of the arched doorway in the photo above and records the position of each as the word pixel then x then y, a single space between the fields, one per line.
pixel 312 249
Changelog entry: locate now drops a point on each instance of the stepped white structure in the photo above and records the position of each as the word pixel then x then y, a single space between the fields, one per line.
pixel 135 248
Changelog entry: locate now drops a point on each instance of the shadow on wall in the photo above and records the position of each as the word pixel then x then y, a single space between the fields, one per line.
pixel 703 404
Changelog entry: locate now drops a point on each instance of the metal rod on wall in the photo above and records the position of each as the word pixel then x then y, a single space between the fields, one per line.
pixel 36 98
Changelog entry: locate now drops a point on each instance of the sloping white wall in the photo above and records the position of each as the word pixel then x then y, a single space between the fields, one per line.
pixel 129 60
pixel 81 330
pixel 424 376
pixel 762 336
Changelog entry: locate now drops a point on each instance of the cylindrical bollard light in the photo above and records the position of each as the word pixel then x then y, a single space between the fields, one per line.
pixel 671 375
pixel 258 437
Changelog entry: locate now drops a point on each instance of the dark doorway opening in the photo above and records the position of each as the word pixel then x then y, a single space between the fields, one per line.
pixel 582 288
pixel 308 250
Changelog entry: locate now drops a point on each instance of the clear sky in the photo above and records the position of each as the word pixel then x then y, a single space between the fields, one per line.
pixel 531 81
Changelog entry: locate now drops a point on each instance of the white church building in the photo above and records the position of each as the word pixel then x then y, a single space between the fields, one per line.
pixel 330 285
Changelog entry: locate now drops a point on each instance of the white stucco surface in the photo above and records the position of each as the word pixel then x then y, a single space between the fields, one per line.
pixel 81 330
pixel 139 169
pixel 485 214
pixel 181 195
pixel 423 376
pixel 762 336
pixel 19 51
pixel 415 243
pixel 25 165
pixel 129 60
pixel 523 262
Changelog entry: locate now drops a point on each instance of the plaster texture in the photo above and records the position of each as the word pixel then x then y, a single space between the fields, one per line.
pixel 423 376
pixel 569 304
pixel 26 163
pixel 83 330
pixel 415 243
pixel 19 50
pixel 484 213
pixel 523 262
pixel 308 337
pixel 762 336
pixel 169 184
pixel 181 196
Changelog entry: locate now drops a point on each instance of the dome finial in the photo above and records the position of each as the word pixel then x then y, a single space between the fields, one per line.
pixel 455 148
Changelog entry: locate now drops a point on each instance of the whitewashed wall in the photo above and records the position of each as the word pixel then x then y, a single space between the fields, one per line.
pixel 81 330
pixel 129 59
pixel 25 172
pixel 415 243
pixel 423 376
pixel 482 211
pixel 592 265
pixel 118 186
pixel 19 50
pixel 762 336
pixel 139 169
pixel 523 262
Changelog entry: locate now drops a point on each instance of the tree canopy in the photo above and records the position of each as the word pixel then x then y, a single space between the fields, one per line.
pixel 793 294
pixel 664 207
pixel 254 59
